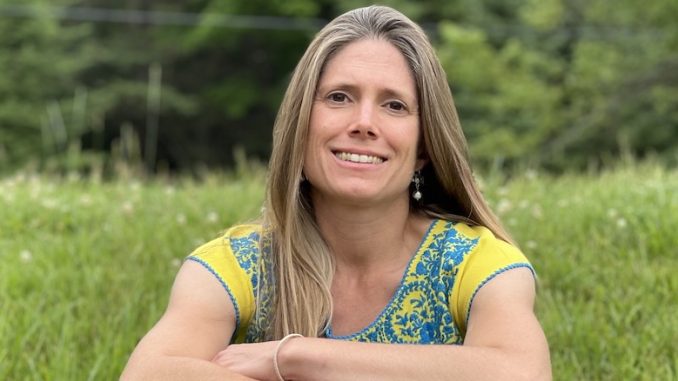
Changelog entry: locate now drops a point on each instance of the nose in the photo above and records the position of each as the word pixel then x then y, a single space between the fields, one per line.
pixel 364 124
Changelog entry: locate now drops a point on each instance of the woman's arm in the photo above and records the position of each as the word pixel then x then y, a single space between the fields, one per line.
pixel 504 342
pixel 198 323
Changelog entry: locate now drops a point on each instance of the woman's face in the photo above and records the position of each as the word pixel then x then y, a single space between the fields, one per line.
pixel 364 126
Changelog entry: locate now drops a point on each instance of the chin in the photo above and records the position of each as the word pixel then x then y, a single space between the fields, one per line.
pixel 367 197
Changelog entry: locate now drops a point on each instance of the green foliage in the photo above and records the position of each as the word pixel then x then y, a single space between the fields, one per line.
pixel 508 106
pixel 87 266
pixel 568 84
pixel 40 60
pixel 562 84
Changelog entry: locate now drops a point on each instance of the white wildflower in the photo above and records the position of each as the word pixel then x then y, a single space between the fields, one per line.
pixel 25 256
pixel 181 219
pixel 612 213
pixel 85 200
pixel 531 174
pixel 621 222
pixel 531 244
pixel 480 182
pixel 49 203
pixel 536 212
pixel 503 206
pixel 8 197
pixel 34 180
pixel 73 177
pixel 212 217
pixel 127 207
pixel 170 190
pixel 523 204
pixel 176 262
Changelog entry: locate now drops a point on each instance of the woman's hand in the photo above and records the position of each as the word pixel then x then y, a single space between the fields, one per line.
pixel 251 360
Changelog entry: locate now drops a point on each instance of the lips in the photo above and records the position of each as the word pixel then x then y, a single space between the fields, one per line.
pixel 358 158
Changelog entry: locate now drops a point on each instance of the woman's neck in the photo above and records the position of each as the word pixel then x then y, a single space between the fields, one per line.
pixel 362 237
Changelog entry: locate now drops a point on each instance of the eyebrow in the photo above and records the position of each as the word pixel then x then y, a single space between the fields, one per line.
pixel 389 92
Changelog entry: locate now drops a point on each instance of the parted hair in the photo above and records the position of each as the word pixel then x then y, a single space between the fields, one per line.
pixel 302 262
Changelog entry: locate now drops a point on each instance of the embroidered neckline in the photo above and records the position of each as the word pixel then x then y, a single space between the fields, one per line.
pixel 401 286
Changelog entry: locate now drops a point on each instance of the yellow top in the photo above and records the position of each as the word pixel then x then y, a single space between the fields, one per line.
pixel 431 305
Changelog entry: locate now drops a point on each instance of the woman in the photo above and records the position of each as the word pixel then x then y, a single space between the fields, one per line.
pixel 374 234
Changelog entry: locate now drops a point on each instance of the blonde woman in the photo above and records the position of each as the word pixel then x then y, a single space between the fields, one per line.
pixel 377 257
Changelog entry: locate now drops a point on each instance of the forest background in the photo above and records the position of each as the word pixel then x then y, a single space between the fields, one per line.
pixel 179 85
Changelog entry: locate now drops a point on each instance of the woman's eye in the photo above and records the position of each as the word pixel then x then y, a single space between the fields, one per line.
pixel 396 106
pixel 337 97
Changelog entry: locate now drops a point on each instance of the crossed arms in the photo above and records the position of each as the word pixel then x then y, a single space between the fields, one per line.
pixel 504 341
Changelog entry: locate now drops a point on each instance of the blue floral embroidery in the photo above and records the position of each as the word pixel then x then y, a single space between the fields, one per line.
pixel 263 290
pixel 246 252
pixel 419 312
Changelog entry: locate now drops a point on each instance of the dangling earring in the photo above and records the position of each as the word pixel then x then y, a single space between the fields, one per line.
pixel 417 179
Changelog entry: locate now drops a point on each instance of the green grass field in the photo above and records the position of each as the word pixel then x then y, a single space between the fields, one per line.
pixel 87 266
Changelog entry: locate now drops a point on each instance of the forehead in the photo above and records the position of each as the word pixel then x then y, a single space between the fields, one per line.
pixel 369 62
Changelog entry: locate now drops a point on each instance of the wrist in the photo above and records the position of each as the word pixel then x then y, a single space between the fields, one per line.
pixel 280 360
pixel 290 358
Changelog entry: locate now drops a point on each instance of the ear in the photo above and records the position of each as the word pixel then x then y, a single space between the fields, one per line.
pixel 422 160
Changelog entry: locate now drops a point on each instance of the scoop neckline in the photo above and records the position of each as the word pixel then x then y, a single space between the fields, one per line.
pixel 396 294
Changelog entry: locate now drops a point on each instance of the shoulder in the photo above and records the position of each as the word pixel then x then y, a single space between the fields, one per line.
pixel 479 256
pixel 487 246
pixel 233 260
pixel 241 242
pixel 236 235
pixel 462 243
pixel 234 255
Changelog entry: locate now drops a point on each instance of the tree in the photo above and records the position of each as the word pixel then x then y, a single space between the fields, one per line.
pixel 570 84
pixel 39 93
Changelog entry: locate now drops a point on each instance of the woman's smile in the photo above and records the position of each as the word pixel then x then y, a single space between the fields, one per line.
pixel 358 158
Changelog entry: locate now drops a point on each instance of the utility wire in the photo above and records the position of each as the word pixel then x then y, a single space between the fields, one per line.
pixel 220 20
pixel 160 17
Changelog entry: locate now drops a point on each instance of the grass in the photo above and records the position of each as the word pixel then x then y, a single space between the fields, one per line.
pixel 87 266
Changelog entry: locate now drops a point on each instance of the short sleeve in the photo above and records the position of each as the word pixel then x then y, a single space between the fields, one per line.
pixel 232 260
pixel 490 257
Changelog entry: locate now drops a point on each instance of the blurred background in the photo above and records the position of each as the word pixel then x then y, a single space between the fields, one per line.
pixel 188 86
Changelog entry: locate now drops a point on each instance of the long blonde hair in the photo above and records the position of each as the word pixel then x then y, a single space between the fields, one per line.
pixel 303 264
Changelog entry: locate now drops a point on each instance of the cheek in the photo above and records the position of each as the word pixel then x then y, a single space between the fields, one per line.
pixel 408 139
pixel 312 142
pixel 312 132
pixel 317 115
pixel 313 147
pixel 321 129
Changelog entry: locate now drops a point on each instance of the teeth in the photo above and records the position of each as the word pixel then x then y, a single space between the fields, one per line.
pixel 355 158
